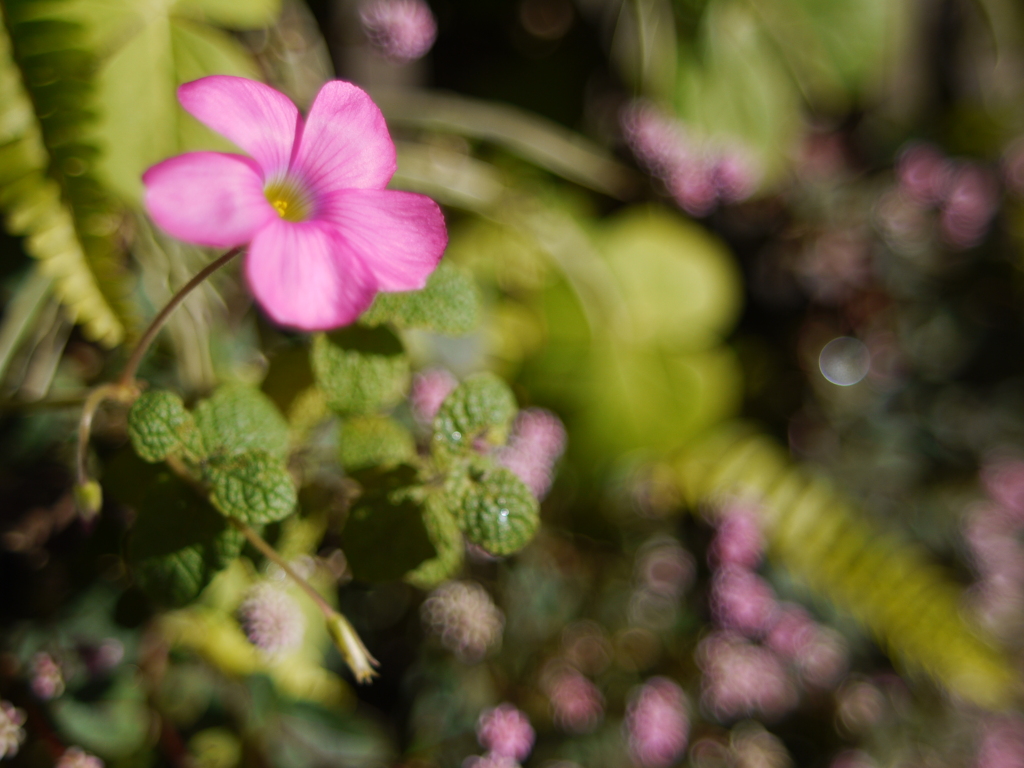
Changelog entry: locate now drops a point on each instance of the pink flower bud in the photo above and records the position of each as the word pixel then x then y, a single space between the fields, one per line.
pixel 792 631
pixel 429 390
pixel 505 731
pixel 1002 743
pixel 403 30
pixel 47 679
pixel 535 444
pixel 741 679
pixel 969 207
pixel 923 173
pixel 742 600
pixel 657 724
pixel 738 538
pixel 577 705
pixel 272 619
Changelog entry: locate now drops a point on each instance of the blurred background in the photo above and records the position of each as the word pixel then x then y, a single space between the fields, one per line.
pixel 753 267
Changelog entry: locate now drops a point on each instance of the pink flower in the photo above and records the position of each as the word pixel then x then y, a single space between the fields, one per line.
pixel 657 725
pixel 47 679
pixel 1002 743
pixel 403 30
pixel 536 443
pixel 324 234
pixel 739 540
pixel 741 678
pixel 576 703
pixel 924 173
pixel 429 390
pixel 272 619
pixel 742 600
pixel 505 731
pixel 792 631
pixel 75 757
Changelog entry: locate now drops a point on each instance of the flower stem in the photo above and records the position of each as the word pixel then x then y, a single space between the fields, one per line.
pixel 341 630
pixel 127 377
pixel 92 403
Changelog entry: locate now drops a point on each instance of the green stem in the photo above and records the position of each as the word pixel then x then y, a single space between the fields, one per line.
pixel 92 403
pixel 127 377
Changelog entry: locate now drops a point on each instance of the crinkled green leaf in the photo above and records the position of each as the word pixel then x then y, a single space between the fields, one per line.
pixel 159 426
pixel 481 406
pixel 253 486
pixel 449 304
pixel 179 541
pixel 385 536
pixel 237 417
pixel 361 370
pixel 446 537
pixel 370 441
pixel 498 512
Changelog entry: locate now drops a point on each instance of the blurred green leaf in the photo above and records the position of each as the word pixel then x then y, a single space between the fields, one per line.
pixel 497 511
pixel 481 406
pixel 113 727
pixel 681 286
pixel 48 190
pixel 384 535
pixel 253 486
pixel 147 52
pixel 159 426
pixel 361 370
pixel 179 541
pixel 446 537
pixel 450 304
pixel 238 417
pixel 370 441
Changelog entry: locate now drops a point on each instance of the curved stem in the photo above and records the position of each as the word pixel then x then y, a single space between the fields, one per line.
pixel 92 404
pixel 127 377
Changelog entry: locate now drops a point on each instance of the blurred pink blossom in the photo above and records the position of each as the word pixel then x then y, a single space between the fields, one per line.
pixel 429 390
pixel 792 631
pixel 970 205
pixel 272 619
pixel 738 537
pixel 535 444
pixel 506 731
pixel 47 680
pixel 665 568
pixel 923 173
pixel 490 760
pixel 11 732
pixel 75 757
pixel 742 600
pixel 1002 743
pixel 577 705
pixel 657 724
pixel 741 678
pixel 824 660
pixel 403 30
pixel 1003 480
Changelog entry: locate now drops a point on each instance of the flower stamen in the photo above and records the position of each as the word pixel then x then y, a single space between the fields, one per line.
pixel 290 200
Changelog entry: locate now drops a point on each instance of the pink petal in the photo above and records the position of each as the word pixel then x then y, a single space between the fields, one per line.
pixel 306 277
pixel 400 236
pixel 208 198
pixel 254 116
pixel 345 143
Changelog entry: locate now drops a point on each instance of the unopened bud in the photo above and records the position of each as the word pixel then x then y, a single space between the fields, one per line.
pixel 347 640
pixel 89 499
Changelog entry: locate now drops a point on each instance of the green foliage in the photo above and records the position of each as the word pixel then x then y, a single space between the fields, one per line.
pixel 237 417
pixel 149 50
pixel 360 370
pixel 385 536
pixel 252 485
pixel 482 406
pixel 179 541
pixel 887 583
pixel 159 426
pixel 446 538
pixel 371 441
pixel 497 510
pixel 449 304
pixel 48 191
pixel 113 727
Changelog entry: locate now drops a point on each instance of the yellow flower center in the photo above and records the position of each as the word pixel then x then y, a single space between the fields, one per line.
pixel 291 202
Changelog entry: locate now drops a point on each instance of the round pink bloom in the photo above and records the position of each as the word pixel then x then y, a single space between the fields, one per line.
pixel 924 173
pixel 74 757
pixel 403 30
pixel 47 679
pixel 576 703
pixel 1003 479
pixel 1002 744
pixel 536 443
pixel 969 207
pixel 657 725
pixel 429 390
pixel 741 678
pixel 738 540
pixel 742 600
pixel 324 234
pixel 272 619
pixel 792 631
pixel 505 731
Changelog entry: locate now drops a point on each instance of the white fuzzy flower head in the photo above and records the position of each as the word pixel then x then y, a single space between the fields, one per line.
pixel 403 30
pixel 464 617
pixel 11 733
pixel 272 619
pixel 74 757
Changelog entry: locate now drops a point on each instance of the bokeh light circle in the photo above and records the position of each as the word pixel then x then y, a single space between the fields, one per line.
pixel 844 361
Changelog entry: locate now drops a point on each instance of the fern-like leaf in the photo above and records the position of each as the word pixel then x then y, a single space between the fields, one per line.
pixel 889 584
pixel 48 194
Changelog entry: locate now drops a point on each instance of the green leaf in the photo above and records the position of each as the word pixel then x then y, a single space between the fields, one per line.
pixel 446 537
pixel 385 536
pixel 449 304
pixel 148 51
pixel 253 486
pixel 115 726
pixel 498 512
pixel 237 417
pixel 159 426
pixel 49 192
pixel 370 441
pixel 361 370
pixel 481 406
pixel 179 541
